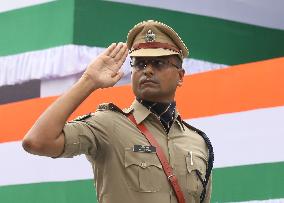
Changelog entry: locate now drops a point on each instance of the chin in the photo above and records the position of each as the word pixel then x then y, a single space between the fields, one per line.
pixel 150 96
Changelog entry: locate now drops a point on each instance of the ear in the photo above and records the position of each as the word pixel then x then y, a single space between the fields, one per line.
pixel 181 75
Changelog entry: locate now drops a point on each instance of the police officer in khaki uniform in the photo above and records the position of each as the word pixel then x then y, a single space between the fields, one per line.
pixel 125 164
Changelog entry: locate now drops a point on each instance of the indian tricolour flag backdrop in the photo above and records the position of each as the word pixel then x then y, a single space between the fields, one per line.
pixel 233 89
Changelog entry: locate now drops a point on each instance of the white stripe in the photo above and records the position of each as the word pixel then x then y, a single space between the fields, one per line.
pixel 65 61
pixel 249 137
pixel 8 5
pixel 20 167
pixel 263 13
pixel 239 139
pixel 57 86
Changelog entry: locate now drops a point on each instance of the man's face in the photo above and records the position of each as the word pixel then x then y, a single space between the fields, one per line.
pixel 156 78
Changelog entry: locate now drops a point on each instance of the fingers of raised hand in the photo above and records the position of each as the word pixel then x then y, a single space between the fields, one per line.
pixel 122 56
pixel 114 52
pixel 119 55
pixel 118 51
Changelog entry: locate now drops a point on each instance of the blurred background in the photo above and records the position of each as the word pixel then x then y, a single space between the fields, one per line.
pixel 233 88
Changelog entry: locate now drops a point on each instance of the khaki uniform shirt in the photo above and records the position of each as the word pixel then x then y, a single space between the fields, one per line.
pixel 121 175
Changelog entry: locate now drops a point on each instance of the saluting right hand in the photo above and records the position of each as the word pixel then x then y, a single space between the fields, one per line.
pixel 104 70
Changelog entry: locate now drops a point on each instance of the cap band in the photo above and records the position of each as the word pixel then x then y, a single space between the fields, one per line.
pixel 154 45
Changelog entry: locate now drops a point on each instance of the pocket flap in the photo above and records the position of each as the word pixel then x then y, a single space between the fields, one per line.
pixel 141 159
pixel 195 161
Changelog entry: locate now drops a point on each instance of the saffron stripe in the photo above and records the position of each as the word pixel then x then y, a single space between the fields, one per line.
pixel 239 88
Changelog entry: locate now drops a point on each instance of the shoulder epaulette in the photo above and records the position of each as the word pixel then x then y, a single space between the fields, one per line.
pixel 210 157
pixel 111 107
pixel 83 117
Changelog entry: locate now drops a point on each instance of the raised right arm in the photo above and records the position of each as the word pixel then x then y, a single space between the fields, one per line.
pixel 46 137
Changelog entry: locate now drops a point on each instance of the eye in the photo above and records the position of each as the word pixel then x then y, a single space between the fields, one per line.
pixel 158 63
pixel 140 64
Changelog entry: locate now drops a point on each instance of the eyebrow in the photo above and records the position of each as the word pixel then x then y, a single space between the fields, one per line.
pixel 147 58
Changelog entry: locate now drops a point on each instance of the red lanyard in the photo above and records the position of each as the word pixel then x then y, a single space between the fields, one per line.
pixel 166 166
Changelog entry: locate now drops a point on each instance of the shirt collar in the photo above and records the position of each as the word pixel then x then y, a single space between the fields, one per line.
pixel 140 113
pixel 179 121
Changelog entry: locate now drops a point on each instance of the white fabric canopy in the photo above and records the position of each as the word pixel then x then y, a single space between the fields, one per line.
pixel 65 61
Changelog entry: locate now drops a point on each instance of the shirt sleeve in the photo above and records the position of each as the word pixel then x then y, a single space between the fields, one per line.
pixel 86 135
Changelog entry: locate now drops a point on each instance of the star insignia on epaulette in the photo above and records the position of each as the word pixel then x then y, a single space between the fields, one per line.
pixel 103 107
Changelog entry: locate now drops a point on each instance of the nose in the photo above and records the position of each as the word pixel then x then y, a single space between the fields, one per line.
pixel 148 70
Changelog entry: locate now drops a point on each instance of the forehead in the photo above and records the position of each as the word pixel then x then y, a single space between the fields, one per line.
pixel 152 57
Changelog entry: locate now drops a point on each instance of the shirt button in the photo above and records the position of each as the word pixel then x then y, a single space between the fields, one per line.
pixel 143 164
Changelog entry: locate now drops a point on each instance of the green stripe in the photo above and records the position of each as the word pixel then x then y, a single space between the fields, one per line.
pixel 242 183
pixel 252 182
pixel 210 39
pixel 98 23
pixel 37 27
pixel 56 192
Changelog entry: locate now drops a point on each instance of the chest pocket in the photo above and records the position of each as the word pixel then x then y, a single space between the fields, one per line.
pixel 195 164
pixel 143 171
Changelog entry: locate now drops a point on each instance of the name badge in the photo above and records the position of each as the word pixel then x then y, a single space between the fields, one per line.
pixel 145 149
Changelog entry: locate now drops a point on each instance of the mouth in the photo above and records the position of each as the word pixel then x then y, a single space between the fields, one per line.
pixel 148 82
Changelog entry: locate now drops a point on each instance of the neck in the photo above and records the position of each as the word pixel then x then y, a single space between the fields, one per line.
pixel 165 111
pixel 161 101
pixel 154 101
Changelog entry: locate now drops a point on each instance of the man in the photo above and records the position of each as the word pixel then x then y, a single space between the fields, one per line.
pixel 127 166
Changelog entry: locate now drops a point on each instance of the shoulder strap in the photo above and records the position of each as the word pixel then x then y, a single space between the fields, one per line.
pixel 166 166
pixel 111 107
pixel 210 157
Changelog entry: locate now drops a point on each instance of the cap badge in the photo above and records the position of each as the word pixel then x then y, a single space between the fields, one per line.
pixel 150 36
